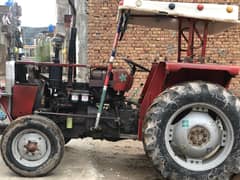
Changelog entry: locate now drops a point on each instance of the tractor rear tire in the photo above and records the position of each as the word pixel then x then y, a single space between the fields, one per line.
pixel 32 146
pixel 191 131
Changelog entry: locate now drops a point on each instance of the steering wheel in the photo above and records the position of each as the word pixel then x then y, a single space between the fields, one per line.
pixel 134 66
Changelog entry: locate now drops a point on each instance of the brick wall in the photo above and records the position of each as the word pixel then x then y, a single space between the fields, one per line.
pixel 144 45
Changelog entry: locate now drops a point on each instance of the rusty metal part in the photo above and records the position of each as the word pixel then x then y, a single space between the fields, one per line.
pixel 198 136
pixel 31 146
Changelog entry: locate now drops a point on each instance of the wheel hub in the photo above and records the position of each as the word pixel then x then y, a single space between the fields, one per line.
pixel 198 136
pixel 200 140
pixel 31 148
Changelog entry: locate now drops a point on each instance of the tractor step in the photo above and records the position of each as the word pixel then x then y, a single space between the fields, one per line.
pixel 128 136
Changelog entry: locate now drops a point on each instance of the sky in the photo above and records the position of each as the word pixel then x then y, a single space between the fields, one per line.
pixel 37 13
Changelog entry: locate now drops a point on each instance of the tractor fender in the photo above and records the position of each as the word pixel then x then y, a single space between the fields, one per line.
pixel 167 74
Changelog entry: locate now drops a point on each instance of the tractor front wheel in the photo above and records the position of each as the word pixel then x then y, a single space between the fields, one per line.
pixel 192 131
pixel 32 146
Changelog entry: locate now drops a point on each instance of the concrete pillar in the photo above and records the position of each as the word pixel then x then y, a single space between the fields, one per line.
pixel 82 39
pixel 62 9
pixel 3 53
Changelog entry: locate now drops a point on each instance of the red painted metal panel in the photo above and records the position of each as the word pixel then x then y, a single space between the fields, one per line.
pixel 164 75
pixel 190 43
pixel 23 100
pixel 232 70
pixel 204 41
pixel 154 85
pixel 122 81
pixel 148 81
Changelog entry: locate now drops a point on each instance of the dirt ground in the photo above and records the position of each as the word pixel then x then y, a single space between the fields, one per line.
pixel 89 159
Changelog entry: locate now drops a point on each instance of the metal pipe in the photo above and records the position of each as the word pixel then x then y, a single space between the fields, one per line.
pixel 204 45
pixel 179 39
pixel 107 78
pixel 74 12
pixel 191 39
pixel 72 54
pixel 72 45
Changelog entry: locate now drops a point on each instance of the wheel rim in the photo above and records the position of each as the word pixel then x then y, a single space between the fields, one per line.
pixel 199 137
pixel 31 148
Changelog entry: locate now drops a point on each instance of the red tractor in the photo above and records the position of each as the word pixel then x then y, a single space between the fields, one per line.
pixel 187 119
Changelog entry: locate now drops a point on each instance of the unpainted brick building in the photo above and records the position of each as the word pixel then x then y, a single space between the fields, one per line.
pixel 145 45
